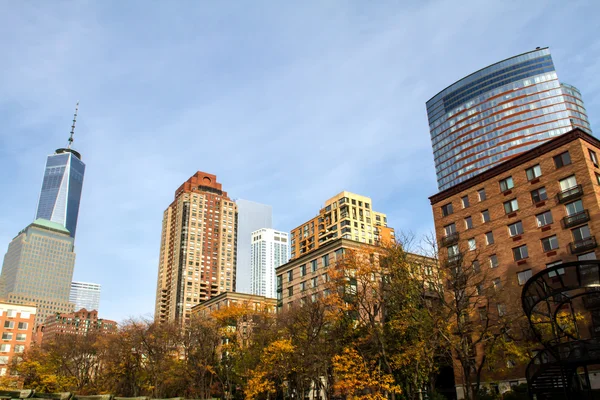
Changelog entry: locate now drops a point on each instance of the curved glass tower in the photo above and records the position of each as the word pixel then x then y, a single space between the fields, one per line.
pixel 499 112
pixel 61 189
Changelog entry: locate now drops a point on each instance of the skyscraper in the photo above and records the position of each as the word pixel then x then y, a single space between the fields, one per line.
pixel 251 217
pixel 198 248
pixel 270 249
pixel 61 187
pixel 85 295
pixel 498 112
pixel 38 268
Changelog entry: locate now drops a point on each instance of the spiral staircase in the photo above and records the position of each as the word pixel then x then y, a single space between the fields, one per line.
pixel 559 302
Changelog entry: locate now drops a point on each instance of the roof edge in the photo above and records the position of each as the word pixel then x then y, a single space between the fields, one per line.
pixel 481 69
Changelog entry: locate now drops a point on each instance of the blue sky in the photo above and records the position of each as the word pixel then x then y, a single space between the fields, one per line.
pixel 288 103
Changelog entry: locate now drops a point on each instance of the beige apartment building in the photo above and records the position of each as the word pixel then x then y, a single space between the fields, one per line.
pixel 346 215
pixel 247 301
pixel 197 249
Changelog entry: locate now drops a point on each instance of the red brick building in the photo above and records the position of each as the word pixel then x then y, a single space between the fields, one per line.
pixel 198 248
pixel 531 212
pixel 16 329
pixel 80 322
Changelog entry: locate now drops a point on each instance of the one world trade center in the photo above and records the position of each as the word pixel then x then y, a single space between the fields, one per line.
pixel 61 187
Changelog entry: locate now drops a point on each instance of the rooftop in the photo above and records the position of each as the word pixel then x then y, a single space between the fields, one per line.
pixel 50 225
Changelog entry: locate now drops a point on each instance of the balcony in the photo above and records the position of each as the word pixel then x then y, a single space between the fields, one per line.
pixel 570 194
pixel 582 245
pixel 576 219
pixel 450 239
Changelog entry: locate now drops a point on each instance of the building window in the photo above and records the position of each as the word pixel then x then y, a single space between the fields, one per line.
pixel 593 157
pixel 313 265
pixel 468 223
pixel 550 243
pixel 21 337
pixel 450 229
pixel 485 216
pixel 472 244
pixel 568 183
pixel 489 237
pixel 453 251
pixel 515 229
pixel 325 260
pixel 520 253
pixel 559 271
pixel 3 360
pixel 7 336
pixel 290 291
pixel 506 184
pixel 533 172
pixel 562 159
pixel 482 313
pixel 524 276
pixel 447 209
pixel 9 324
pixel 481 194
pixel 476 266
pixel 4 348
pixel 303 270
pixel 302 286
pixel 465 201
pixel 511 206
pixel 587 256
pixel 544 219
pixel 539 195
pixel 581 233
pixel 493 261
pixel 314 282
pixel 501 310
pixel 574 208
pixel 497 283
pixel 290 275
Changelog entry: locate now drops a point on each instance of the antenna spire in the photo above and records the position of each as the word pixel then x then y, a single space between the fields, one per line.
pixel 73 126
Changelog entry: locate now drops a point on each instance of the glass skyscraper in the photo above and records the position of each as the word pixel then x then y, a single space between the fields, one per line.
pixel 61 189
pixel 251 217
pixel 85 295
pixel 498 112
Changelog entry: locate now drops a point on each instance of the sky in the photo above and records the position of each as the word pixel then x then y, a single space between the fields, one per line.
pixel 288 103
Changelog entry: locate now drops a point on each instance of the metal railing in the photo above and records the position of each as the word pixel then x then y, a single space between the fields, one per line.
pixel 570 194
pixel 582 245
pixel 576 219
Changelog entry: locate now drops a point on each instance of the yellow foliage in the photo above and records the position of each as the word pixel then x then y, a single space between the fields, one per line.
pixel 359 379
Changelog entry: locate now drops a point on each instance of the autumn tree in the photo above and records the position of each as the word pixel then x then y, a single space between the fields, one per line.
pixel 486 330
pixel 383 292
pixel 360 379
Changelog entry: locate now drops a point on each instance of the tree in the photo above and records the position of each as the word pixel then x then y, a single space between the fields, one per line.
pixel 361 379
pixel 383 294
pixel 486 330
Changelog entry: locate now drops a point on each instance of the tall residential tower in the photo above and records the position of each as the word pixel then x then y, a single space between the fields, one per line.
pixel 498 112
pixel 197 249
pixel 270 249
pixel 346 215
